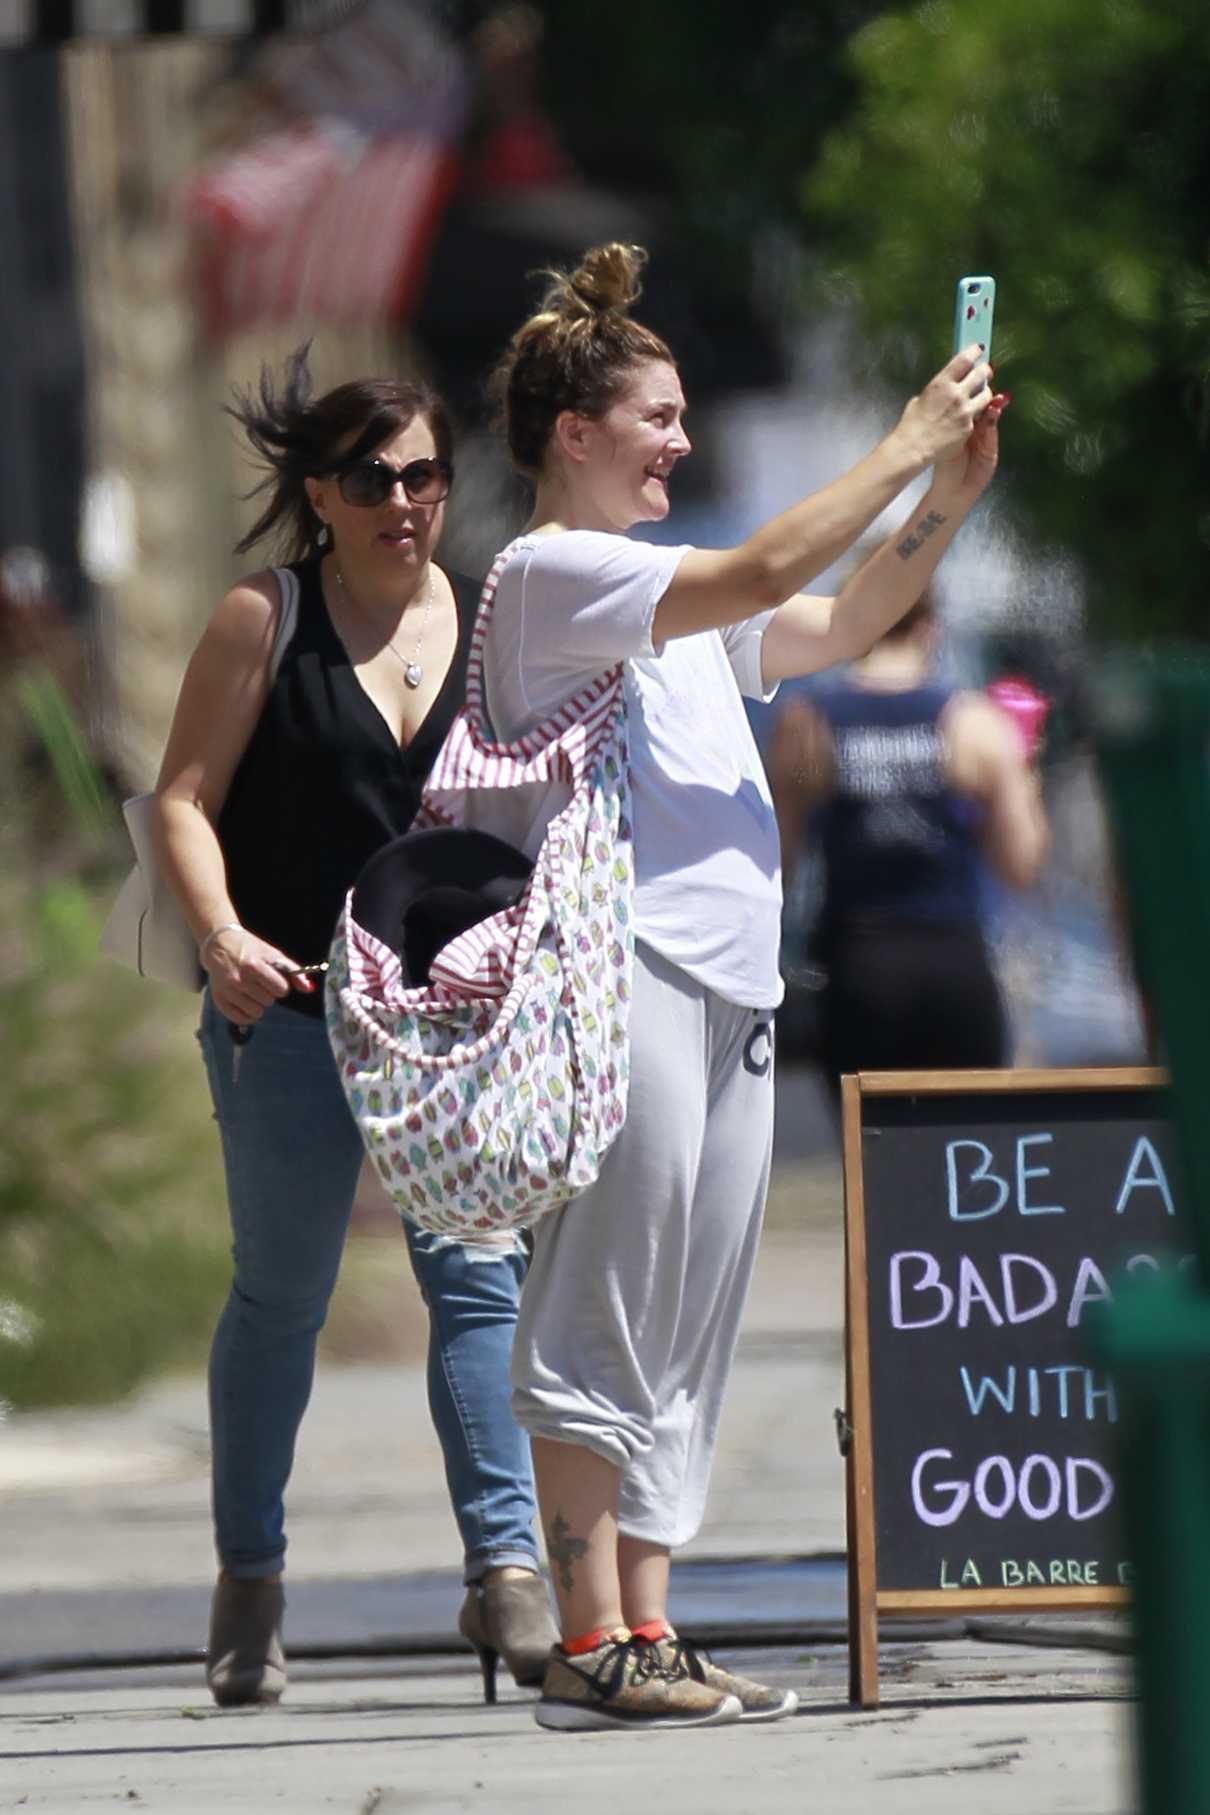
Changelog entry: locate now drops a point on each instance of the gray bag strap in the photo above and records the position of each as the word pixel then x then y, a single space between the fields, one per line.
pixel 287 617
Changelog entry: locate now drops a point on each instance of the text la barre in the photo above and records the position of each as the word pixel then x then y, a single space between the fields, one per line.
pixel 1055 1572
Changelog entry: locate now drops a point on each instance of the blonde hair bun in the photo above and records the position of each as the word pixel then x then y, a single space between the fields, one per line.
pixel 607 278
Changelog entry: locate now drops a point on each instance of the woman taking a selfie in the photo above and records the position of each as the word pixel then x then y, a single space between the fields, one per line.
pixel 633 1300
pixel 286 769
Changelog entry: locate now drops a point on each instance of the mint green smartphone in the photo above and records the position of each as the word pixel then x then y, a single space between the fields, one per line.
pixel 974 312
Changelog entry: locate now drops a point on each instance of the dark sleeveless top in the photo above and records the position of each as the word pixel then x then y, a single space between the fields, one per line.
pixel 897 842
pixel 323 784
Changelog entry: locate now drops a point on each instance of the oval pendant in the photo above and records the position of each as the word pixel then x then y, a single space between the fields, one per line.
pixel 413 674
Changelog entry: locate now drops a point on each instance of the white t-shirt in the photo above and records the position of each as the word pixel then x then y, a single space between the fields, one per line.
pixel 707 872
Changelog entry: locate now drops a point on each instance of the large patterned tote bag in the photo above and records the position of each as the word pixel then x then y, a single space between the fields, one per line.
pixel 489 1094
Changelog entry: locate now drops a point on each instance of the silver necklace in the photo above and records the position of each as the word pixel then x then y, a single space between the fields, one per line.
pixel 413 673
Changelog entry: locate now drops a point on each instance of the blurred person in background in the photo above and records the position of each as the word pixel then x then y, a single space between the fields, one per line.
pixel 275 789
pixel 906 788
pixel 633 1300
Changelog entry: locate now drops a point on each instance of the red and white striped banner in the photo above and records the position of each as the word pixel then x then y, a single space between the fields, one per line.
pixel 317 223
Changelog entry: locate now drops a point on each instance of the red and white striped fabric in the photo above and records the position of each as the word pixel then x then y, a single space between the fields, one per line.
pixel 317 222
pixel 490 1095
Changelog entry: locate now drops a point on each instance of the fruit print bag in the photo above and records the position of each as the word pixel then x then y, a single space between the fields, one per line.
pixel 489 1096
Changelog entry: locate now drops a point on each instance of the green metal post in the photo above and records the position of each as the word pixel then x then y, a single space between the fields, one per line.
pixel 1152 723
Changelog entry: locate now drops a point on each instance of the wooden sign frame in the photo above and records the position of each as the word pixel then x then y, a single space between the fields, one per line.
pixel 866 1600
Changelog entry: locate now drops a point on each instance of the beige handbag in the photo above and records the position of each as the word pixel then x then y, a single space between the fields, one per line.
pixel 145 929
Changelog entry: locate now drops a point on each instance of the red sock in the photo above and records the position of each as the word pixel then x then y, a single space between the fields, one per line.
pixel 653 1631
pixel 587 1641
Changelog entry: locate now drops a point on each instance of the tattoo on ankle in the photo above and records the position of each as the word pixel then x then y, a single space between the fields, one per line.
pixel 563 1550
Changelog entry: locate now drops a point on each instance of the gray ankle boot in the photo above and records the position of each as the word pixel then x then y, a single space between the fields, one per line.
pixel 510 1620
pixel 244 1659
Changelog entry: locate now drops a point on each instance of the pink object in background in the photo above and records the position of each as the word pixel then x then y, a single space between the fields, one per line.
pixel 1026 708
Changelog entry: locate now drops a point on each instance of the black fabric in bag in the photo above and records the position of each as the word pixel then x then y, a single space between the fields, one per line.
pixel 422 890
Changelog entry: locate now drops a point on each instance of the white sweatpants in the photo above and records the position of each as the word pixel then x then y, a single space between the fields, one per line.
pixel 632 1303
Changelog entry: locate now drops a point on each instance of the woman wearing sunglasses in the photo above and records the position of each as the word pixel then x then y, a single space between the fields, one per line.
pixel 633 1300
pixel 285 771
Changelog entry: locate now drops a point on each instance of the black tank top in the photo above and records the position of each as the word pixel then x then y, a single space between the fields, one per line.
pixel 898 843
pixel 323 784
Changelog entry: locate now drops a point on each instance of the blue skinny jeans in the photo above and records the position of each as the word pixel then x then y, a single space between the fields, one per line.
pixel 292 1154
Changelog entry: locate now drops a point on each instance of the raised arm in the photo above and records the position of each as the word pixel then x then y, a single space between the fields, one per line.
pixel 221 697
pixel 809 632
pixel 712 588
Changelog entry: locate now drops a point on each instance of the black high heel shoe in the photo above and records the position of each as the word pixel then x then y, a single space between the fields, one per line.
pixel 510 1620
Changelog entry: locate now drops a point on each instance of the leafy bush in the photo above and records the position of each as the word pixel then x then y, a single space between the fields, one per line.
pixel 113 1232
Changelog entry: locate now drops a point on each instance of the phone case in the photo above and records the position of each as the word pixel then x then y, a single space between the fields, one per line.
pixel 974 312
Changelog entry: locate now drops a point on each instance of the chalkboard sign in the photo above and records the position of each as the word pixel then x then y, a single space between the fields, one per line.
pixel 985 1213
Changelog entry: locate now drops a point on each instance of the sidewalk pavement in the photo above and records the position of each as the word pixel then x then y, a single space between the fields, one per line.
pixel 107 1547
pixel 965 1728
pixel 119 1497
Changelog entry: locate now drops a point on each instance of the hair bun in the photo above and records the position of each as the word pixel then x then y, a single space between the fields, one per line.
pixel 606 278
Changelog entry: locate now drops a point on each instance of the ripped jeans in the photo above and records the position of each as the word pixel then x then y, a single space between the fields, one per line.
pixel 292 1155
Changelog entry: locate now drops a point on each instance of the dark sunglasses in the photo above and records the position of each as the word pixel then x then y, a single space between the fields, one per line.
pixel 370 482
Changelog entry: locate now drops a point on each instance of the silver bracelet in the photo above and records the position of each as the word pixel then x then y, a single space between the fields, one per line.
pixel 228 926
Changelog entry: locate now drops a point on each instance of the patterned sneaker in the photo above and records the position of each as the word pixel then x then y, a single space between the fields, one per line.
pixel 755 1700
pixel 626 1683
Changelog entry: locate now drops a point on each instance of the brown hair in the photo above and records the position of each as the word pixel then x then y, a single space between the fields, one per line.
pixel 298 437
pixel 575 353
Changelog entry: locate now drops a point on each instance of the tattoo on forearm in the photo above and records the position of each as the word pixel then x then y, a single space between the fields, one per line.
pixel 928 526
pixel 564 1550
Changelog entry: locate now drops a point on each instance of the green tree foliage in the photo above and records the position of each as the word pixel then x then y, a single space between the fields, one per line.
pixel 1064 146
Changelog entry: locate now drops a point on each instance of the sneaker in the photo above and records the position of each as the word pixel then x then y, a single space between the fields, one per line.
pixel 627 1683
pixel 756 1701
